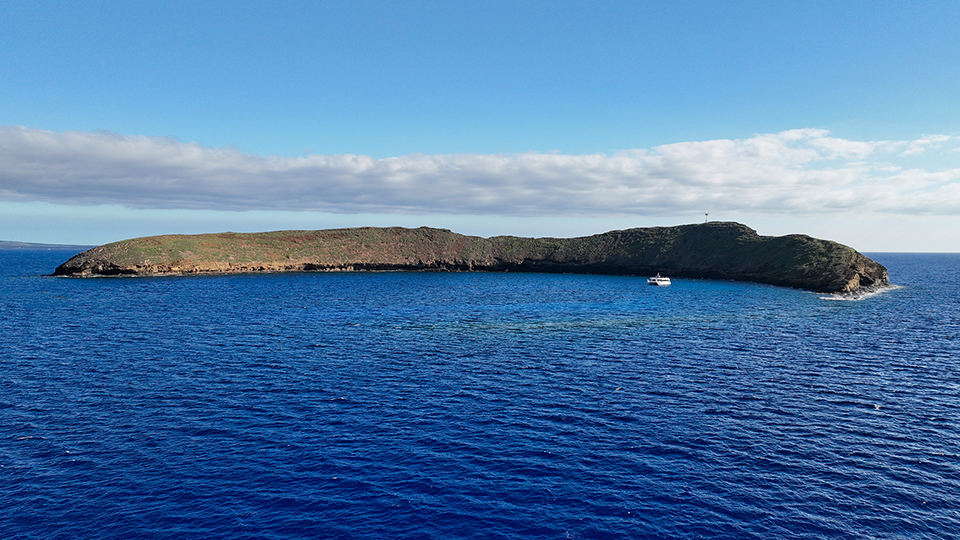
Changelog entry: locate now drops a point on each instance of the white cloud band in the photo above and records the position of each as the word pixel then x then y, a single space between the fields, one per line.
pixel 797 171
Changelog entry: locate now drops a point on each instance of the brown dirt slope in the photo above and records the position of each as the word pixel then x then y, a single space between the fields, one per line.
pixel 710 250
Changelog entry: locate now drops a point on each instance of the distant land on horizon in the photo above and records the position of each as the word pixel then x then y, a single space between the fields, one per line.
pixel 10 244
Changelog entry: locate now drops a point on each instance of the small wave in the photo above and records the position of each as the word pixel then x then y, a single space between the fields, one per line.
pixel 861 294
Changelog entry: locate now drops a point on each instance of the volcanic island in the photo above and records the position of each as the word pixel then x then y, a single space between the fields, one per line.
pixel 714 250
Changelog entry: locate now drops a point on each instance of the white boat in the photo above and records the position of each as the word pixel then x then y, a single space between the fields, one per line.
pixel 659 281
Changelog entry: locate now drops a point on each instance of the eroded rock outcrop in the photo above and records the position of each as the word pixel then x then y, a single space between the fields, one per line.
pixel 709 250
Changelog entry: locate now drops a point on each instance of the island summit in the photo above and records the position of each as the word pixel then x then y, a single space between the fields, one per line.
pixel 716 250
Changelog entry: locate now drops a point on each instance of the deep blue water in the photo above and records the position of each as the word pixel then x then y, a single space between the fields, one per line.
pixel 456 405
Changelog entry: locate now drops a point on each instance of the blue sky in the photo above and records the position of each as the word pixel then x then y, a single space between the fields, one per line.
pixel 839 120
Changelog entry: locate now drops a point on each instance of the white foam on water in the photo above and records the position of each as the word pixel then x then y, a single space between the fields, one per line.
pixel 862 294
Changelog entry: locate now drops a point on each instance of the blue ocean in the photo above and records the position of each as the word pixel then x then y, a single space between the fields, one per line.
pixel 476 406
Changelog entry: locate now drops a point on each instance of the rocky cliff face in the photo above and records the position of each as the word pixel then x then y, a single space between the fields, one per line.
pixel 709 250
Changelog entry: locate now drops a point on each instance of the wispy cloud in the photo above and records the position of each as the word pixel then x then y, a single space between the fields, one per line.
pixel 797 171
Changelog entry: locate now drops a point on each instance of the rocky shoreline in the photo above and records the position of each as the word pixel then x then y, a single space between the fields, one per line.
pixel 714 250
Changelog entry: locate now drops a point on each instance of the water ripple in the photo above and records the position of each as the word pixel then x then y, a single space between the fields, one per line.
pixel 476 406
